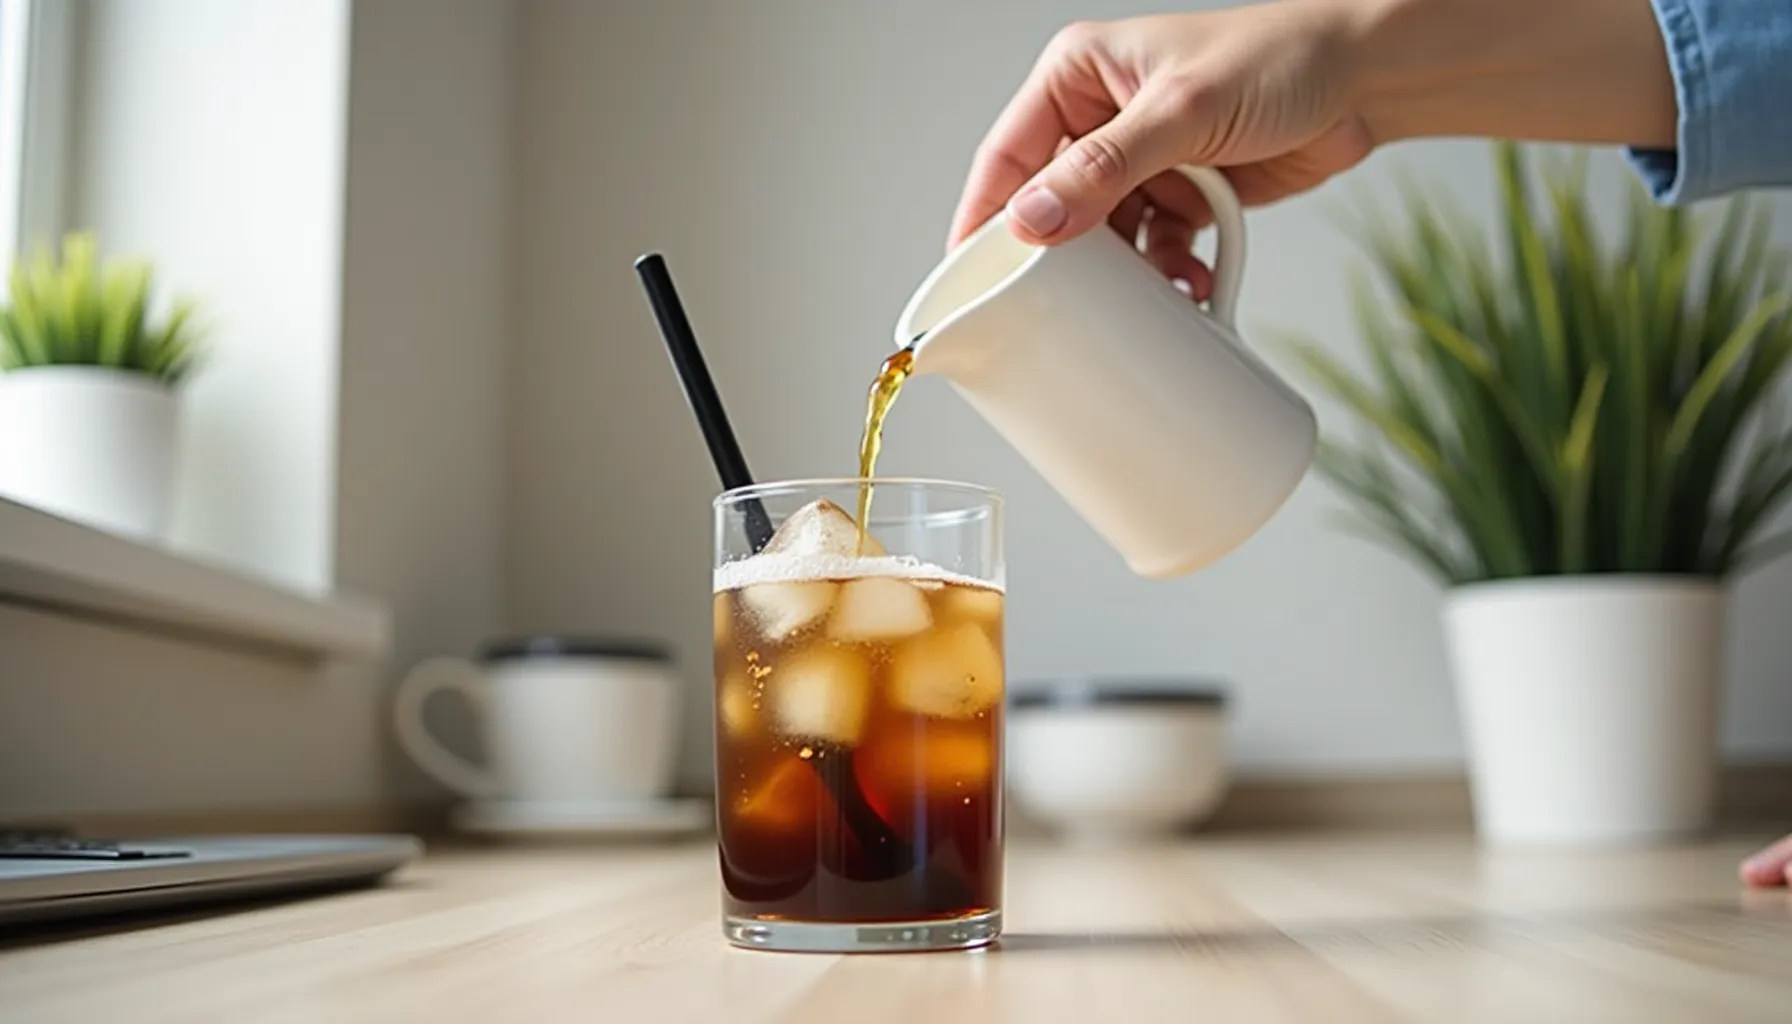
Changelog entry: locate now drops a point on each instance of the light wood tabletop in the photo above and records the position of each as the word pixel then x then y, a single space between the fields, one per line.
pixel 1384 928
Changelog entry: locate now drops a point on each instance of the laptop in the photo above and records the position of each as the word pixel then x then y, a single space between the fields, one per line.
pixel 55 876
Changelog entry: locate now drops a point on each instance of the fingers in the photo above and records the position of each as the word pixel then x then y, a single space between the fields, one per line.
pixel 1166 234
pixel 1168 241
pixel 1129 217
pixel 1173 192
pixel 1063 97
pixel 1021 142
pixel 1064 156
pixel 1178 211
pixel 1772 866
pixel 1078 189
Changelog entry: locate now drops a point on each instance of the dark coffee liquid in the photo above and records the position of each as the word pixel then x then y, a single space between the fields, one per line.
pixel 917 722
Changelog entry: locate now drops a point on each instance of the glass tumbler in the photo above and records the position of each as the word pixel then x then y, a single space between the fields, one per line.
pixel 859 698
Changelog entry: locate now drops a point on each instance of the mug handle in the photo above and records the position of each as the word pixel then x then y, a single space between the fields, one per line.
pixel 1228 255
pixel 448 768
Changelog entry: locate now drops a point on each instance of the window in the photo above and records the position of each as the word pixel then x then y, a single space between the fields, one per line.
pixel 15 17
pixel 35 61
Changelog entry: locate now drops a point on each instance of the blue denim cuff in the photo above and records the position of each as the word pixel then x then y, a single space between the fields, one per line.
pixel 1732 66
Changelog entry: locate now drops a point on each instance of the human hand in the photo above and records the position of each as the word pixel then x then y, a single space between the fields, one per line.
pixel 1282 95
pixel 1110 109
pixel 1770 867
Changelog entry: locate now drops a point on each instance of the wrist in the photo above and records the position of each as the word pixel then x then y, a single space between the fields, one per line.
pixel 1590 71
pixel 1418 63
pixel 1396 55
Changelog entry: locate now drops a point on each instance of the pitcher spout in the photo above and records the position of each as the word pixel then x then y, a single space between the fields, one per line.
pixel 941 322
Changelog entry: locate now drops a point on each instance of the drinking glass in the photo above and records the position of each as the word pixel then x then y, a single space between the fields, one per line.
pixel 859 697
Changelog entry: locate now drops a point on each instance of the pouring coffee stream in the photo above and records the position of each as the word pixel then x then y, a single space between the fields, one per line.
pixel 884 391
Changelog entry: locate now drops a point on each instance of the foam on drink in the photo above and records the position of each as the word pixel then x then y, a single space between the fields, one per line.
pixel 800 568
pixel 821 543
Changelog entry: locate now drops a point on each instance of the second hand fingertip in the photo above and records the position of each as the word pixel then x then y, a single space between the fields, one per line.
pixel 1197 291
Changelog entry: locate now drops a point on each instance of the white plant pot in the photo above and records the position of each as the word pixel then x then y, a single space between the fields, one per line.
pixel 1589 706
pixel 91 444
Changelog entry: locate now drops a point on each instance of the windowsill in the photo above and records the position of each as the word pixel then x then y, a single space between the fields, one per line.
pixel 51 562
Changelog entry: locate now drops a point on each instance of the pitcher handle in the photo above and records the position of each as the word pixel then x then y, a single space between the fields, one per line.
pixel 1228 256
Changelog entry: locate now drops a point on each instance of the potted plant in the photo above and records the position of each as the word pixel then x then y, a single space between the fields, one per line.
pixel 1583 443
pixel 88 412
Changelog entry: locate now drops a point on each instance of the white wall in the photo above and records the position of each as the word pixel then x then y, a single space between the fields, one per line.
pixel 210 135
pixel 799 167
pixel 423 329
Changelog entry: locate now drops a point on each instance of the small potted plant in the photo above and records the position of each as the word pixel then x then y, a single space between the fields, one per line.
pixel 1583 443
pixel 89 417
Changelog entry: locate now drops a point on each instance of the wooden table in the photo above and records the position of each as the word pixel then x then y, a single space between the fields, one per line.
pixel 1408 928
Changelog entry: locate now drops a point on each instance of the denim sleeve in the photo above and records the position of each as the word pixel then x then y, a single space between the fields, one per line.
pixel 1732 67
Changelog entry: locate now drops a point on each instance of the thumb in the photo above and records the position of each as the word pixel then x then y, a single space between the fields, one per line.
pixel 1090 178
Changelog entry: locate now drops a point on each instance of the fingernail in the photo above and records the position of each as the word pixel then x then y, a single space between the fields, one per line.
pixel 1039 210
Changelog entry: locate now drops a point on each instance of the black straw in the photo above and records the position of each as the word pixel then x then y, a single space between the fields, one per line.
pixel 700 391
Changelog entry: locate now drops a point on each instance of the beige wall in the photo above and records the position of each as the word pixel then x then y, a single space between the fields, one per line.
pixel 424 337
pixel 102 718
pixel 798 166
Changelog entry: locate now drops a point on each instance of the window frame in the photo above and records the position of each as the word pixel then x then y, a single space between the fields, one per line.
pixel 36 77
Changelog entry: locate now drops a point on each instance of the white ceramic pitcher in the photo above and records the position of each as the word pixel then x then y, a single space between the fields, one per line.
pixel 1146 412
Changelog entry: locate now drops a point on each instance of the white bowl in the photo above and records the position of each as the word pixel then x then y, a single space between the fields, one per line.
pixel 1112 763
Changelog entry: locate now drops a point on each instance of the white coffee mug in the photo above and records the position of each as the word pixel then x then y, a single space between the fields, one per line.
pixel 566 721
pixel 1146 412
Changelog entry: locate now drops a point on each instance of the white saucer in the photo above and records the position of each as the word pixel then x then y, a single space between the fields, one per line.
pixel 646 819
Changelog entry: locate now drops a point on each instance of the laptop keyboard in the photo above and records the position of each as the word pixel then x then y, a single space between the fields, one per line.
pixel 46 844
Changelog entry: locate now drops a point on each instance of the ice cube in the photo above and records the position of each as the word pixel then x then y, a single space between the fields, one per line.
pixel 784 801
pixel 980 603
pixel 955 672
pixel 878 608
pixel 902 772
pixel 820 528
pixel 737 703
pixel 821 694
pixel 781 609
